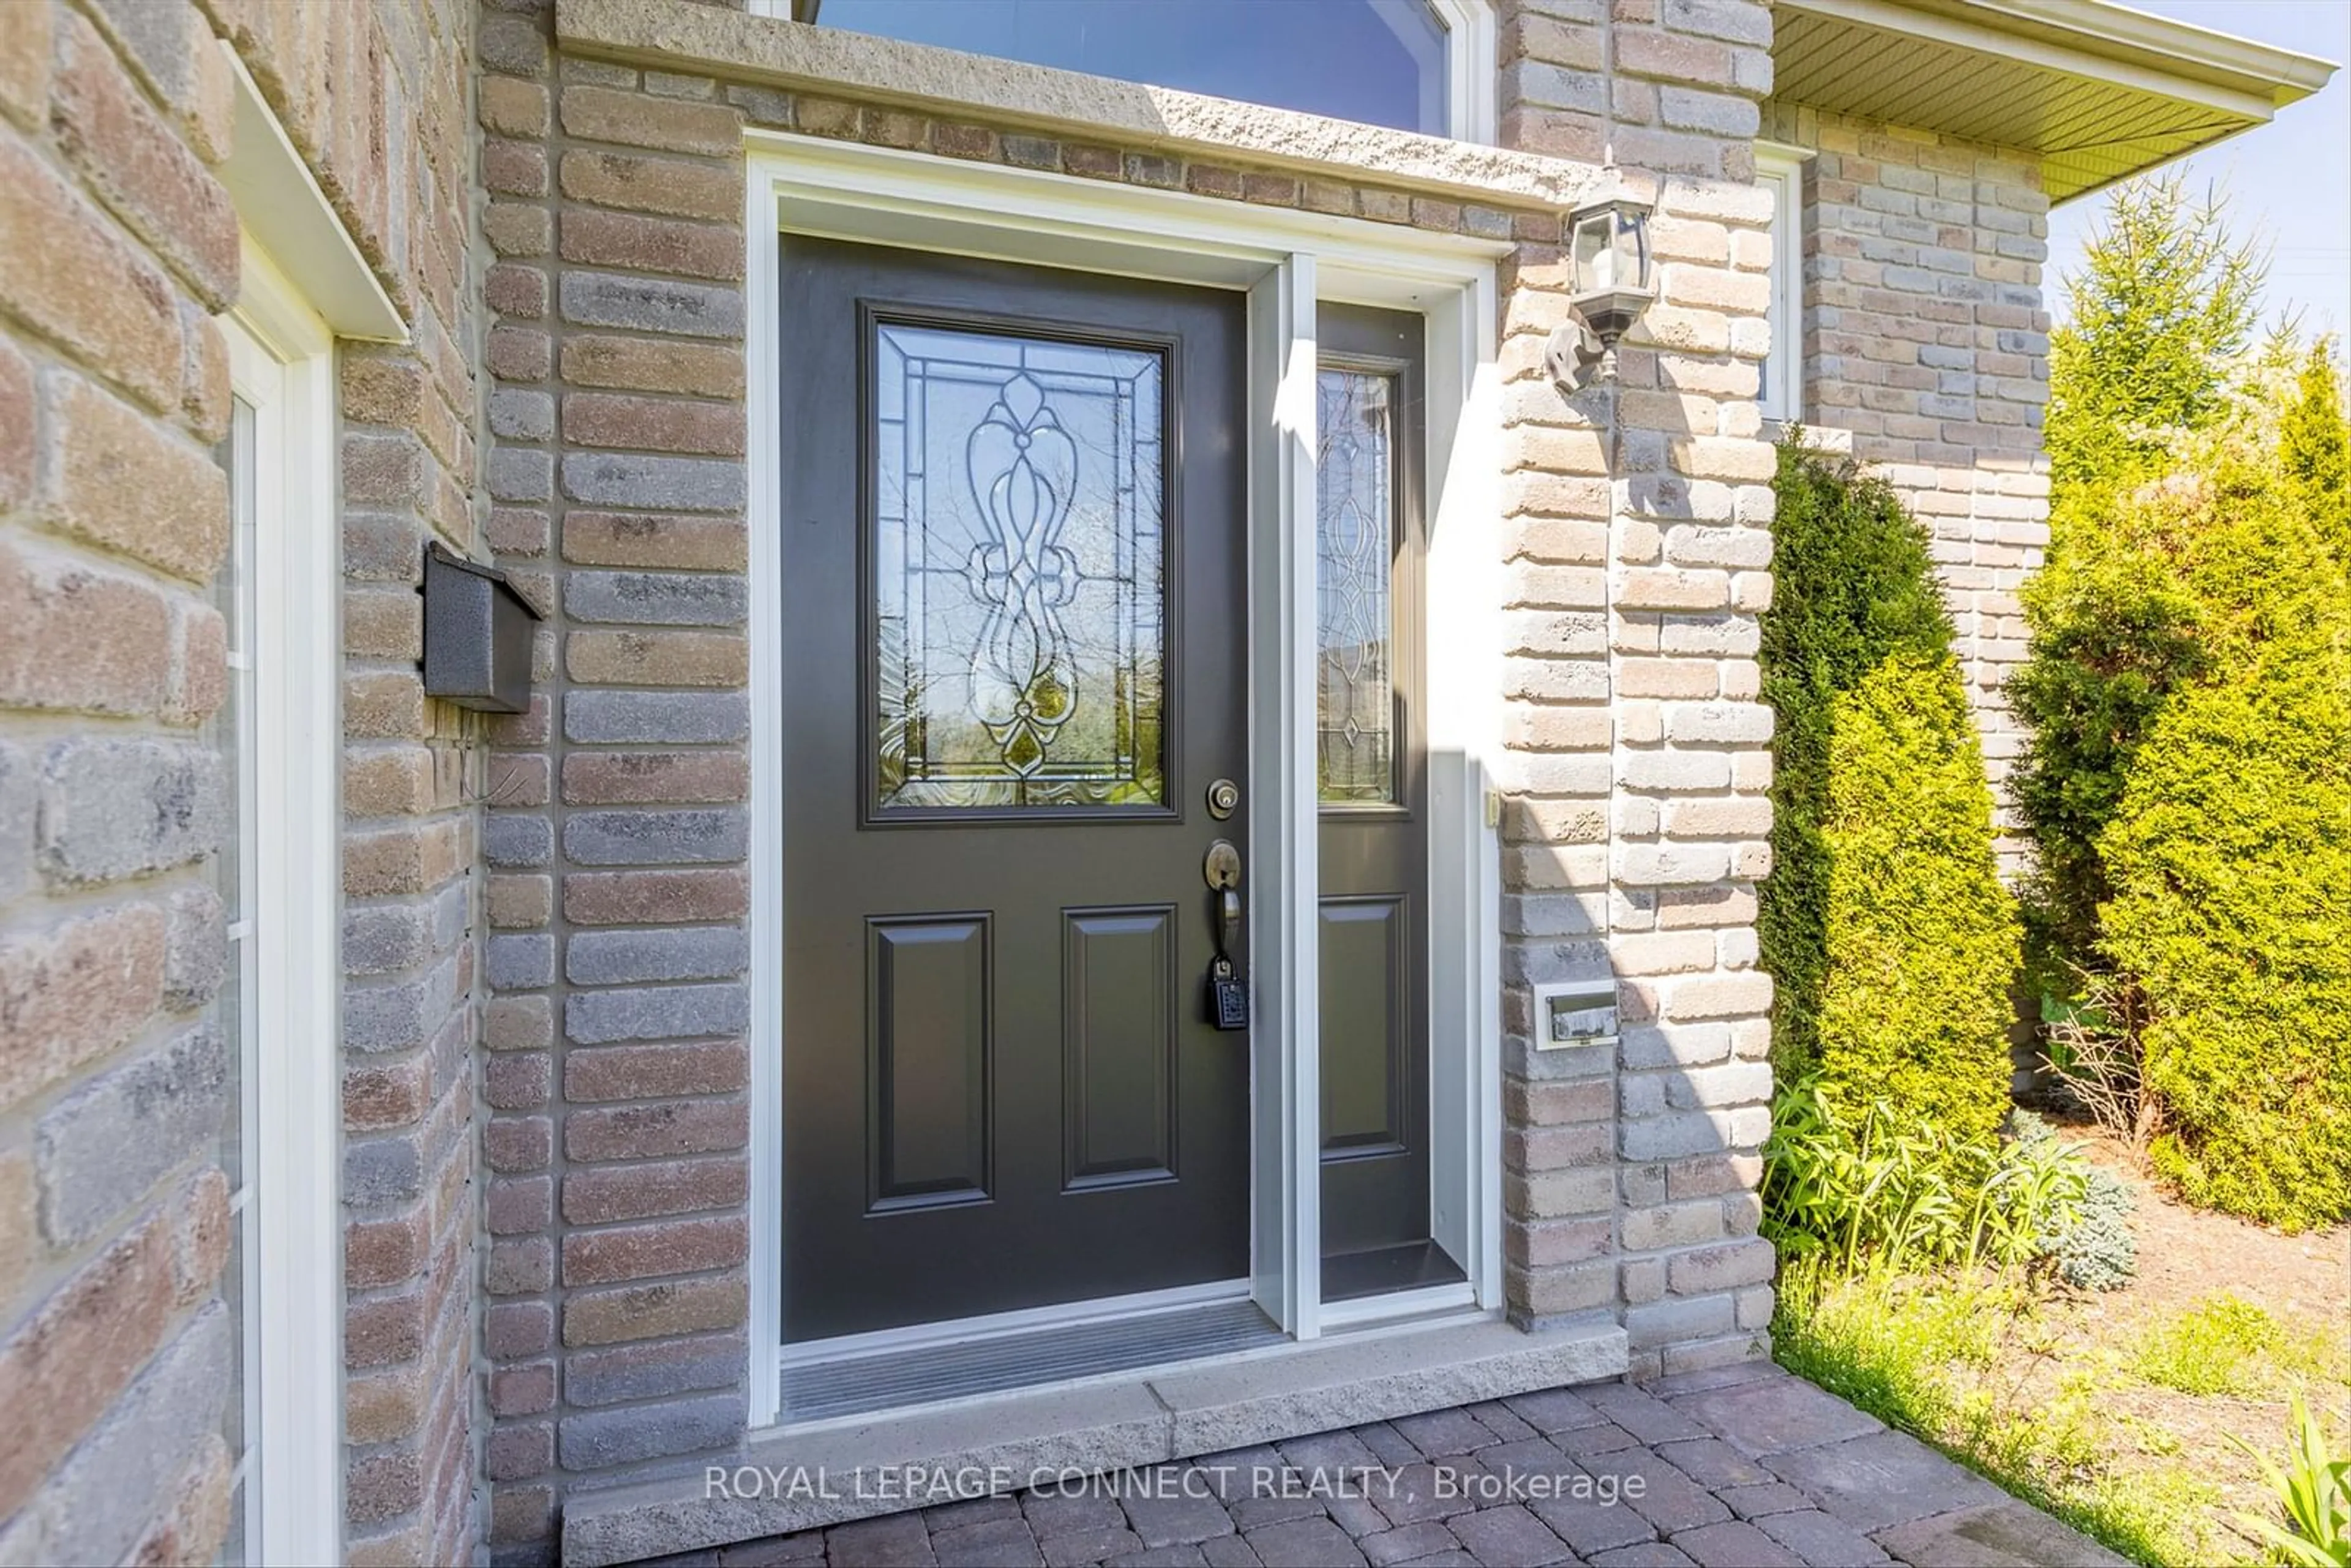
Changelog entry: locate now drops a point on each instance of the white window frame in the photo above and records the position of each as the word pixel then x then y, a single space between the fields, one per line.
pixel 281 363
pixel 1287 262
pixel 1470 86
pixel 1781 170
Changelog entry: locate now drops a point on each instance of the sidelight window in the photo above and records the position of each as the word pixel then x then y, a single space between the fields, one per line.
pixel 1354 537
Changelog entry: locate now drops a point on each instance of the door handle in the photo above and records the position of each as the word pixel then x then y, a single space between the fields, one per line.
pixel 1222 870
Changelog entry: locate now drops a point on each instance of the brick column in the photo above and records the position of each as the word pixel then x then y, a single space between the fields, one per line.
pixel 1639 546
pixel 1925 339
pixel 619 1121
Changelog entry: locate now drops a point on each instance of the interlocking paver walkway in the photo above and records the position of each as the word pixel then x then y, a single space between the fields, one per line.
pixel 1744 1467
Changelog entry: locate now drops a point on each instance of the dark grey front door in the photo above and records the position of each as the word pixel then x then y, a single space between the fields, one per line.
pixel 1014 661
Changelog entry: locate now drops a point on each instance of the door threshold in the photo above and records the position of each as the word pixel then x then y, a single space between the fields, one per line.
pixel 952 1367
pixel 790 1478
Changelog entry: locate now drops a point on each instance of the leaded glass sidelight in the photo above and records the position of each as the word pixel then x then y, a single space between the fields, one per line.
pixel 1354 549
pixel 1019 567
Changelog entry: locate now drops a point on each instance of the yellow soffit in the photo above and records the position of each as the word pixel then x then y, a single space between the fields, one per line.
pixel 2099 91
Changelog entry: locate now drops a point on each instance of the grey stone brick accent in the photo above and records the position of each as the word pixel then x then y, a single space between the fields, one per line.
pixel 127 808
pixel 655 1012
pixel 656 838
pixel 648 1431
pixel 651 305
pixel 674 484
pixel 195 949
pixel 657 598
pixel 516 840
pixel 520 474
pixel 101 1149
pixel 520 963
pixel 402 1016
pixel 636 717
pixel 655 1371
pixel 383 1170
pixel 19 796
pixel 674 953
pixel 519 415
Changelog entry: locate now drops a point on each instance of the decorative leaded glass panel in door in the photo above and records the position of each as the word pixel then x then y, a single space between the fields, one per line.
pixel 1354 545
pixel 1017 573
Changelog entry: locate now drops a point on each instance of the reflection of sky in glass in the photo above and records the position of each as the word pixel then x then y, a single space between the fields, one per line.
pixel 1379 61
pixel 1018 570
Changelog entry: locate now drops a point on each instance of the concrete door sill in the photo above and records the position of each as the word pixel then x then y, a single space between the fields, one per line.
pixel 785 1479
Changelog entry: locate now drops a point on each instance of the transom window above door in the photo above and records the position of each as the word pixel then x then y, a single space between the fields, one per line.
pixel 1382 62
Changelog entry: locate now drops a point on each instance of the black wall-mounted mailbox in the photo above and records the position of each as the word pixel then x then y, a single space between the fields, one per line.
pixel 477 635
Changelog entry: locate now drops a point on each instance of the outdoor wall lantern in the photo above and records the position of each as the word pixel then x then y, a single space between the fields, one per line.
pixel 477 635
pixel 1608 252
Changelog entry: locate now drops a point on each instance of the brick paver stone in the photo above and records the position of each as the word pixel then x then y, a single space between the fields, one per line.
pixel 1886 1478
pixel 1734 1542
pixel 1778 1414
pixel 1509 1534
pixel 1513 1500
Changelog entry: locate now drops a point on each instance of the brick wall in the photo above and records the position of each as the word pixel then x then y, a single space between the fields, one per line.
pixel 118 245
pixel 1638 756
pixel 1926 338
pixel 614 1080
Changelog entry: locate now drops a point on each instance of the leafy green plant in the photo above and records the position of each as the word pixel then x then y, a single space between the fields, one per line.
pixel 1875 1187
pixel 2206 1348
pixel 2096 1250
pixel 1884 925
pixel 2315 1489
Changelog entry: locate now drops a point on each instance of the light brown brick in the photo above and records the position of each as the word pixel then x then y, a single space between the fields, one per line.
pixel 656 1132
pixel 19 1240
pixel 647 1252
pixel 72 280
pixel 640 364
pixel 26 48
pixel 384 706
pixel 124 482
pixel 658 658
pixel 119 628
pixel 74 991
pixel 633 241
pixel 655 425
pixel 642 778
pixel 669 186
pixel 604 1194
pixel 509 107
pixel 388 781
pixel 653 1311
pixel 652 1072
pixel 631 897
pixel 520 902
pixel 663 124
pixel 139 167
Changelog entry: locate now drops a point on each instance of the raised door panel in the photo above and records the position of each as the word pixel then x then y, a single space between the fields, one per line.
pixel 927 1051
pixel 1118 1022
pixel 1366 1032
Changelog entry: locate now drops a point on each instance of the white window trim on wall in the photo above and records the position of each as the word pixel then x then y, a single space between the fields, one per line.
pixel 281 362
pixel 1470 63
pixel 1287 261
pixel 1780 169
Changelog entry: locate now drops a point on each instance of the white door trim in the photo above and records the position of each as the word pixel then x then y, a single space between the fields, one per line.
pixel 281 361
pixel 1286 260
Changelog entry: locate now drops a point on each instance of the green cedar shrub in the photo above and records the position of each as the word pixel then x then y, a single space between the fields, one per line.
pixel 1921 936
pixel 1852 585
pixel 2230 861
pixel 2114 630
pixel 2314 447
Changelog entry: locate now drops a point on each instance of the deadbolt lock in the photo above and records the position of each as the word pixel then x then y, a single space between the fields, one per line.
pixel 1224 799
